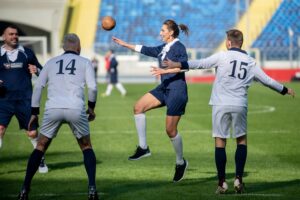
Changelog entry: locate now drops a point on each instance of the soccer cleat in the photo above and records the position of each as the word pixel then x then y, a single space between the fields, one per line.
pixel 239 186
pixel 140 153
pixel 43 168
pixel 93 195
pixel 222 189
pixel 23 195
pixel 180 171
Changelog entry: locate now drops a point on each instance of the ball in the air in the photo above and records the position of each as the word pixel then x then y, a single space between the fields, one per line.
pixel 108 23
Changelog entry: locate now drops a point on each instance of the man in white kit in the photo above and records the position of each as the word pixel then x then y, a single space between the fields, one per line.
pixel 66 76
pixel 235 71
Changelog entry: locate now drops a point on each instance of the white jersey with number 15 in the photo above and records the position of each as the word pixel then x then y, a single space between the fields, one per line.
pixel 235 71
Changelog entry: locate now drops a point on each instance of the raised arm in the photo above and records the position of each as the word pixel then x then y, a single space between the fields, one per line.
pixel 205 63
pixel 123 43
pixel 263 78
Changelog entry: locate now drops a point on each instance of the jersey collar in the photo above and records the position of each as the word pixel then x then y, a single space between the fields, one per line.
pixel 237 49
pixel 3 50
pixel 73 52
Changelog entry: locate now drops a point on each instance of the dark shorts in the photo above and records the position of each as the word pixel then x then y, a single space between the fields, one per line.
pixel 174 99
pixel 20 108
pixel 113 78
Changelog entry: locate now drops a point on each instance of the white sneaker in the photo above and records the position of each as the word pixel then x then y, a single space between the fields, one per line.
pixel 223 189
pixel 238 186
pixel 43 169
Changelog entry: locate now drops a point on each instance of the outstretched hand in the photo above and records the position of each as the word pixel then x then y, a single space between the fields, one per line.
pixel 171 64
pixel 33 122
pixel 119 41
pixel 156 71
pixel 291 92
pixel 91 114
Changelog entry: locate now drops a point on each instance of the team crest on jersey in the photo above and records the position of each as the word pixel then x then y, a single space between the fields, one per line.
pixel 6 65
pixel 13 65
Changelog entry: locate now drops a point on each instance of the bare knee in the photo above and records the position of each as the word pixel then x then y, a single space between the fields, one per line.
pixel 32 134
pixel 85 142
pixel 43 143
pixel 2 130
pixel 241 140
pixel 138 109
pixel 171 131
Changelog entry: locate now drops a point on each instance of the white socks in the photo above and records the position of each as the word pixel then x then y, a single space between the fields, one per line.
pixel 177 144
pixel 140 124
pixel 0 142
pixel 108 89
pixel 120 87
pixel 33 141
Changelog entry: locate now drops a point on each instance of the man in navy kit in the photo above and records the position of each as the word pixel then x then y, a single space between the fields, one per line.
pixel 17 64
pixel 113 75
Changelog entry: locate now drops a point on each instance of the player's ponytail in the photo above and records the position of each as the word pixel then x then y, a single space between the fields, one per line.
pixel 184 29
pixel 172 26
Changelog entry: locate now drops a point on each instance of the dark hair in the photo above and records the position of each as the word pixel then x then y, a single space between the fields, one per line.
pixel 235 36
pixel 171 24
pixel 10 26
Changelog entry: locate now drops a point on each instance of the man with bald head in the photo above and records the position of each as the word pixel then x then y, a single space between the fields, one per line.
pixel 66 76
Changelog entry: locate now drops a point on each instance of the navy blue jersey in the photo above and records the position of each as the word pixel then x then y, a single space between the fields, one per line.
pixel 176 53
pixel 15 74
pixel 113 70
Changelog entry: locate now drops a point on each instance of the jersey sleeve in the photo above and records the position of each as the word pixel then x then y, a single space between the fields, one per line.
pixel 38 87
pixel 151 51
pixel 91 84
pixel 33 60
pixel 263 78
pixel 206 63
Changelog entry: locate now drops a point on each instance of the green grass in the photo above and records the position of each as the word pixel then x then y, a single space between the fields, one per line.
pixel 272 168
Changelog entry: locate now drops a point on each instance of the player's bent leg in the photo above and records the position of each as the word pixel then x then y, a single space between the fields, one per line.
pixel 2 132
pixel 43 168
pixel 33 165
pixel 175 137
pixel 220 160
pixel 240 161
pixel 145 103
pixel 89 159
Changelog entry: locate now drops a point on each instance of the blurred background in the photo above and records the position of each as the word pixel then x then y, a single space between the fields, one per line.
pixel 271 31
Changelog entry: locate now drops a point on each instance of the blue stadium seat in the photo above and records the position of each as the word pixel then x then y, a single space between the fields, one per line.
pixel 274 41
pixel 139 22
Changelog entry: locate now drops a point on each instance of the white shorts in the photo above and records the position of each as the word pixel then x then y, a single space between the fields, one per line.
pixel 225 118
pixel 53 119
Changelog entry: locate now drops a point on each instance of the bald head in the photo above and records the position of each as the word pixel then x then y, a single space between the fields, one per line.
pixel 71 42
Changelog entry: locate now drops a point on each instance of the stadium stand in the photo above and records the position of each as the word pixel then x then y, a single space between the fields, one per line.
pixel 143 21
pixel 274 41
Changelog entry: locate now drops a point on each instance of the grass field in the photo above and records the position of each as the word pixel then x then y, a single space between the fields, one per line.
pixel 272 168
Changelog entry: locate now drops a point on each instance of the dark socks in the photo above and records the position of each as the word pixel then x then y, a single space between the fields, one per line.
pixel 32 167
pixel 90 166
pixel 240 160
pixel 220 159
